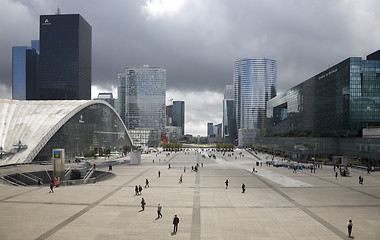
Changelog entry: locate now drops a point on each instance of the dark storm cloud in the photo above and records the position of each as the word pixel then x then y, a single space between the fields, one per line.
pixel 198 43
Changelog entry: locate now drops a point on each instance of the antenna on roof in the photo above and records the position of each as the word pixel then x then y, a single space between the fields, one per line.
pixel 58 9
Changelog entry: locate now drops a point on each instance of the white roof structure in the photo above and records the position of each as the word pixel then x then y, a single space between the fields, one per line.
pixel 26 126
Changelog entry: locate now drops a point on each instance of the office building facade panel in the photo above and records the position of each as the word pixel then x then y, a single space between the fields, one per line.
pixel 65 57
pixel 179 115
pixel 255 82
pixel 229 130
pixel 339 101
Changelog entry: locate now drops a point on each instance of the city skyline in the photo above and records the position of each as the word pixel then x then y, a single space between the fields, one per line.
pixel 196 41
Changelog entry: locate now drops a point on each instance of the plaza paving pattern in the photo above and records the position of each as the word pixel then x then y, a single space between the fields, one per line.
pixel 277 204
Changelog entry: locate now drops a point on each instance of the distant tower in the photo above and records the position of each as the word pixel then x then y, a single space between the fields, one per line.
pixel 229 130
pixel 179 115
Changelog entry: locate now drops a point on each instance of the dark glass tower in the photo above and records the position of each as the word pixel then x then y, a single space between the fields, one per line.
pixel 65 57
pixel 179 115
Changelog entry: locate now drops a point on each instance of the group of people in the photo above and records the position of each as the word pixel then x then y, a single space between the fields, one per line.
pixel 138 190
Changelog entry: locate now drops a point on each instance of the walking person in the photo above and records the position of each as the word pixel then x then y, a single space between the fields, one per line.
pixel 184 169
pixel 336 175
pixel 243 188
pixel 146 183
pixel 226 182
pixel 140 189
pixel 159 174
pixel 360 179
pixel 349 227
pixel 180 179
pixel 159 208
pixel 175 223
pixel 143 203
pixel 51 187
pixel 136 190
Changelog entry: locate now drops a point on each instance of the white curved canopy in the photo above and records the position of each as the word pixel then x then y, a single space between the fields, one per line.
pixel 26 126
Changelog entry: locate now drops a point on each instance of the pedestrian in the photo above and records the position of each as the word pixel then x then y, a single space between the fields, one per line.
pixel 226 183
pixel 184 169
pixel 336 175
pixel 140 189
pixel 159 208
pixel 169 166
pixel 159 173
pixel 51 187
pixel 349 227
pixel 175 223
pixel 360 179
pixel 334 168
pixel 243 188
pixel 253 169
pixel 146 183
pixel 180 179
pixel 202 164
pixel 143 203
pixel 136 190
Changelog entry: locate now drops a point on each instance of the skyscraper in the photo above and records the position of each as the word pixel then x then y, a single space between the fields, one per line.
pixel 142 93
pixel 210 129
pixel 229 130
pixel 179 115
pixel 25 61
pixel 255 82
pixel 65 57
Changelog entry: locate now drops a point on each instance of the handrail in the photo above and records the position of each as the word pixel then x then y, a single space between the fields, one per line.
pixel 88 175
pixel 67 172
pixel 23 174
pixel 48 174
pixel 10 182
pixel 15 181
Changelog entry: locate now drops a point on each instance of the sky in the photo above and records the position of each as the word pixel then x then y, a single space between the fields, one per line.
pixel 197 41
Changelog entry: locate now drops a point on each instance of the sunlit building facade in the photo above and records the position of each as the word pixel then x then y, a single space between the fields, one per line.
pixel 255 82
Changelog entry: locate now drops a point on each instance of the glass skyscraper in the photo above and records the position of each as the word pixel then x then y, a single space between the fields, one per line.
pixel 179 115
pixel 65 57
pixel 25 62
pixel 255 82
pixel 142 94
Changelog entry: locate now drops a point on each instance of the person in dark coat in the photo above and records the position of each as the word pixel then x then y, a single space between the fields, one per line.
pixel 146 183
pixel 243 188
pixel 143 203
pixel 140 189
pixel 136 190
pixel 226 183
pixel 175 223
pixel 51 187
pixel 349 227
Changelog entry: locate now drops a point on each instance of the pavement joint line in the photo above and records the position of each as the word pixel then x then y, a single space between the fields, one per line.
pixel 341 185
pixel 304 209
pixel 64 223
pixel 19 194
pixel 195 232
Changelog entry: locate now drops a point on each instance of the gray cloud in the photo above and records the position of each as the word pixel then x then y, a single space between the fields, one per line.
pixel 199 42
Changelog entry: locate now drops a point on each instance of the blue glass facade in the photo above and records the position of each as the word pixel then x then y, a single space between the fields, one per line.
pixel 25 64
pixel 339 101
pixel 255 82
pixel 19 73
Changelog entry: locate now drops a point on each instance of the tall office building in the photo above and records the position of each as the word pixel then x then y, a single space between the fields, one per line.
pixel 25 61
pixel 179 115
pixel 65 57
pixel 255 82
pixel 229 130
pixel 142 93
pixel 210 129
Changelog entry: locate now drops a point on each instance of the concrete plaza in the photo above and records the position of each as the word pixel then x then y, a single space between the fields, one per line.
pixel 277 204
